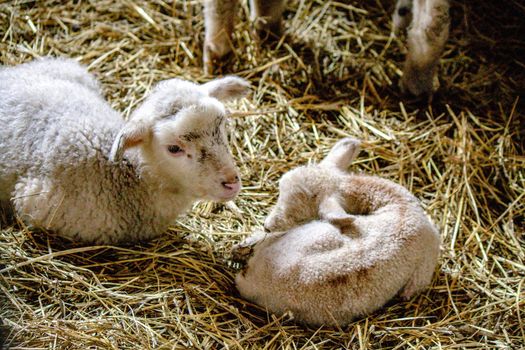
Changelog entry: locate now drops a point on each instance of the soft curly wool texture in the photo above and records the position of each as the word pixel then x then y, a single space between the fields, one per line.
pixel 71 164
pixel 367 240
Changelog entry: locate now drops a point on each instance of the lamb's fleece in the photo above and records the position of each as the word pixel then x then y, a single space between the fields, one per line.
pixel 71 164
pixel 366 240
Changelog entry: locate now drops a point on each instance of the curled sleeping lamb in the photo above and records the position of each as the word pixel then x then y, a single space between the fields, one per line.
pixel 339 245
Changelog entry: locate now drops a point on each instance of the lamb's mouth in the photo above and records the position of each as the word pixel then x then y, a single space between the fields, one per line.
pixel 229 190
pixel 226 195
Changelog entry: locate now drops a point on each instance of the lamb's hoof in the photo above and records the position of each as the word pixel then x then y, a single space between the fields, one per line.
pixel 212 59
pixel 241 253
pixel 419 84
pixel 268 31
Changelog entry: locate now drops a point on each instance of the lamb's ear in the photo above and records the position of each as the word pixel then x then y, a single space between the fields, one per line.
pixel 131 135
pixel 342 154
pixel 340 220
pixel 331 210
pixel 227 88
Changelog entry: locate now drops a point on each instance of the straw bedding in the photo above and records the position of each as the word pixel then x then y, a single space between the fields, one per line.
pixel 334 74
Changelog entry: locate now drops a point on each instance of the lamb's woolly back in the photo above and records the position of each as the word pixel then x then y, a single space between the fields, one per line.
pixel 57 68
pixel 73 165
pixel 365 240
pixel 42 106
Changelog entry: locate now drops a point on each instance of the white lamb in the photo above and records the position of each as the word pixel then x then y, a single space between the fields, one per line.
pixel 71 164
pixel 341 245
pixel 428 22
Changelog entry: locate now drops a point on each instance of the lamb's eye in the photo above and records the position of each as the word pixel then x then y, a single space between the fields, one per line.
pixel 174 149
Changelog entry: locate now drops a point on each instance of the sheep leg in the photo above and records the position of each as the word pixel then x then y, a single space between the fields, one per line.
pixel 242 251
pixel 267 17
pixel 219 20
pixel 426 40
pixel 402 15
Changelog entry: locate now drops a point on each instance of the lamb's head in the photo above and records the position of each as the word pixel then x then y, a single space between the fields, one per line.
pixel 179 133
pixel 311 192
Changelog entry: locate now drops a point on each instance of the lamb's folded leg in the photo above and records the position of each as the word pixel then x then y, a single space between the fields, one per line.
pixel 426 40
pixel 243 251
pixel 219 20
pixel 36 201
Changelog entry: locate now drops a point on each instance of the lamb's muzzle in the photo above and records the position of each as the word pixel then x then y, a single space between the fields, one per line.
pixel 232 185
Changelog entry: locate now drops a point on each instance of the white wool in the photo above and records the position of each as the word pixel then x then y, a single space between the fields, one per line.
pixel 71 164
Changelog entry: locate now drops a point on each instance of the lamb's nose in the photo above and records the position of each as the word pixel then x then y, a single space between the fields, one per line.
pixel 231 179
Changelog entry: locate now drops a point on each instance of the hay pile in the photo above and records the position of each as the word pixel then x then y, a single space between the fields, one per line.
pixel 334 74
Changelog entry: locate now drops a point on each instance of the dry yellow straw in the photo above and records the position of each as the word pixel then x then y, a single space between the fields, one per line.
pixel 334 74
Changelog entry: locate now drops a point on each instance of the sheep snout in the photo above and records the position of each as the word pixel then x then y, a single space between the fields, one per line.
pixel 230 184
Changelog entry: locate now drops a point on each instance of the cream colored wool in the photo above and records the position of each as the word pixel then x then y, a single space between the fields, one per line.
pixel 341 245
